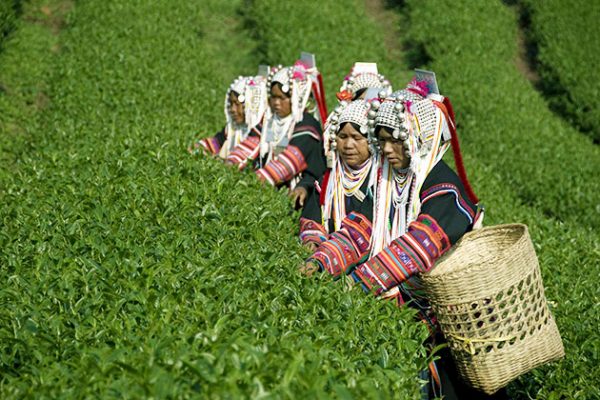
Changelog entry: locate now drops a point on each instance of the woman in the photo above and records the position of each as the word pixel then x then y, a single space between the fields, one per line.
pixel 362 76
pixel 348 186
pixel 245 105
pixel 422 208
pixel 291 149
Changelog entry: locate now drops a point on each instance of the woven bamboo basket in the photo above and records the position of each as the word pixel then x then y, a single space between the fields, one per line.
pixel 488 296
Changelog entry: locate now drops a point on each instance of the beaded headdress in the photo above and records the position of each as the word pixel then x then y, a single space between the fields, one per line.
pixel 362 76
pixel 295 81
pixel 252 92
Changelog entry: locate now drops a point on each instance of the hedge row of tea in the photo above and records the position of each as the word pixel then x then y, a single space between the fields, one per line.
pixel 9 10
pixel 567 61
pixel 130 270
pixel 339 33
pixel 527 166
pixel 550 164
pixel 24 80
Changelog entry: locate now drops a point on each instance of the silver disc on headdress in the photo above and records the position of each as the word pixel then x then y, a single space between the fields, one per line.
pixel 283 77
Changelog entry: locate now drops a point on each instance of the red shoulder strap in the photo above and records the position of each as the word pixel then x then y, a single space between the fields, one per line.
pixel 458 160
pixel 324 187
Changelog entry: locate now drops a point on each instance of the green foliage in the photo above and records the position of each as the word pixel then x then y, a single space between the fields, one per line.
pixel 132 270
pixel 565 60
pixel 550 165
pixel 339 33
pixel 25 69
pixel 527 166
pixel 7 18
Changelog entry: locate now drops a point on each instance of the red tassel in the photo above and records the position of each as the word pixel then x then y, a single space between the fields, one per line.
pixel 458 160
pixel 322 89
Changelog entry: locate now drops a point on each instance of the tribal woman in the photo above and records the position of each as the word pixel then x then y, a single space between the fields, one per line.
pixel 347 187
pixel 422 208
pixel 291 143
pixel 363 76
pixel 245 105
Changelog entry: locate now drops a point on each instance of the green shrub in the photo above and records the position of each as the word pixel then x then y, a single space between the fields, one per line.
pixel 502 120
pixel 130 269
pixel 566 39
pixel 339 33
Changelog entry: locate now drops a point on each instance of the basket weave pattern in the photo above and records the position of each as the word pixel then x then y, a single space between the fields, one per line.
pixel 488 296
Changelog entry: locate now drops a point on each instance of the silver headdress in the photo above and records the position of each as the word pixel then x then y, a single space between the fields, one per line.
pixel 362 76
pixel 296 81
pixel 252 91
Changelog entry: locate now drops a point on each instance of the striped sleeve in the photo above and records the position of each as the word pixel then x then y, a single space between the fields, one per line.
pixel 211 145
pixel 284 167
pixel 414 252
pixel 312 232
pixel 346 247
pixel 244 152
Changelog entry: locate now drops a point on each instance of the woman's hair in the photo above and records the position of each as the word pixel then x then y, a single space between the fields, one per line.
pixel 378 129
pixel 273 84
pixel 359 93
pixel 355 126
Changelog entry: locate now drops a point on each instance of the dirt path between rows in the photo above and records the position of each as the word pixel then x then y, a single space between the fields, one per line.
pixel 390 21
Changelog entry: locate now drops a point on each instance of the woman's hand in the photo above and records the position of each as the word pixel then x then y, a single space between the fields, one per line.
pixel 299 195
pixel 311 246
pixel 309 268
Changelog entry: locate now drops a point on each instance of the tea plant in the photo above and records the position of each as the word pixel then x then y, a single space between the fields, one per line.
pixel 565 61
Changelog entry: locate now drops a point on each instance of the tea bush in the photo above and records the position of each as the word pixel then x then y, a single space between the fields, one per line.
pixel 548 163
pixel 565 61
pixel 131 269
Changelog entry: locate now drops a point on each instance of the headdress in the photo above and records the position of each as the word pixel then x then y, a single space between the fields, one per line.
pixel 252 91
pixel 298 81
pixel 362 76
pixel 295 81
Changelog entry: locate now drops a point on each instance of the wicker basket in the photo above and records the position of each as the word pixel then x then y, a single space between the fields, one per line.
pixel 488 296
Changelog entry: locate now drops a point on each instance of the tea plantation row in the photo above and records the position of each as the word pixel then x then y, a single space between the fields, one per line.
pixel 550 165
pixel 9 11
pixel 130 269
pixel 566 62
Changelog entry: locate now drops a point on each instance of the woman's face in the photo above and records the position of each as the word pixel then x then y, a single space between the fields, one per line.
pixel 392 149
pixel 281 103
pixel 236 109
pixel 352 147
